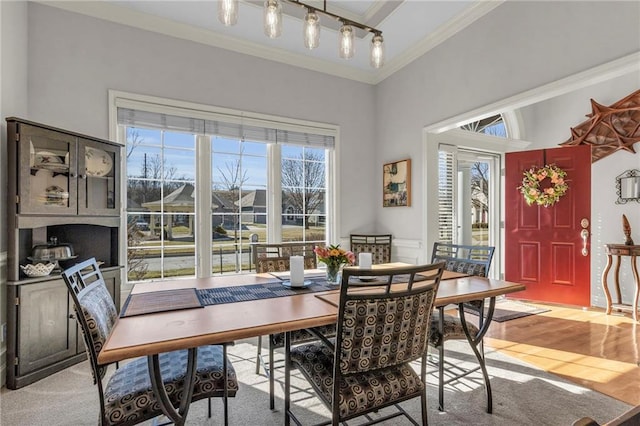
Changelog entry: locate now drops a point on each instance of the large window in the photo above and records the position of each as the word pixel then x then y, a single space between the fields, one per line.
pixel 202 186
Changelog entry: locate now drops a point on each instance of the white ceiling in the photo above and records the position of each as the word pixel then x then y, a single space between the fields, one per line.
pixel 410 28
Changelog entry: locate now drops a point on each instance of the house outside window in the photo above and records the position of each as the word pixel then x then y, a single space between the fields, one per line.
pixel 266 182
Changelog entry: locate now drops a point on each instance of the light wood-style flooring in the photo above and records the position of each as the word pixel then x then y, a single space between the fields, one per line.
pixel 588 347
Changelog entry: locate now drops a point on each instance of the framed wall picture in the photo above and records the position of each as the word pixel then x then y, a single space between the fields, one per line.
pixel 396 184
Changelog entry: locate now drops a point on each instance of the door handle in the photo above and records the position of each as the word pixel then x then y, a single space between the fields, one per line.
pixel 584 234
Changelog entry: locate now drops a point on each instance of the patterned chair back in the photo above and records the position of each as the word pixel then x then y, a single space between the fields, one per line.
pixel 275 257
pixel 95 311
pixel 381 328
pixel 471 260
pixel 378 245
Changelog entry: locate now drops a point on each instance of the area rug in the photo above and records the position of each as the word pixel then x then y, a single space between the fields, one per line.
pixel 511 309
pixel 522 395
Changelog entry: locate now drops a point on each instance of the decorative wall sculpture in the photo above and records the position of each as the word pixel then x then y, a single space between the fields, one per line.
pixel 609 128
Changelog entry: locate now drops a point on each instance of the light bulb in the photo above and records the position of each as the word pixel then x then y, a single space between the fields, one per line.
pixel 311 30
pixel 228 12
pixel 346 42
pixel 377 51
pixel 272 18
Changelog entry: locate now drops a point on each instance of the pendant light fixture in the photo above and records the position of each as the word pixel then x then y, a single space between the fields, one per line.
pixel 377 51
pixel 272 18
pixel 346 40
pixel 228 15
pixel 311 30
pixel 228 12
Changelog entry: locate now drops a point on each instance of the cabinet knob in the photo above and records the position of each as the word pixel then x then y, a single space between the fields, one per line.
pixel 72 316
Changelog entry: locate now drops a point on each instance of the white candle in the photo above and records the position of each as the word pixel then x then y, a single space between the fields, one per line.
pixel 296 265
pixel 365 260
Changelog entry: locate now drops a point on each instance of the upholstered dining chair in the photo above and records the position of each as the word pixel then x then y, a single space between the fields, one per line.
pixel 379 245
pixel 471 260
pixel 274 257
pixel 380 331
pixel 127 398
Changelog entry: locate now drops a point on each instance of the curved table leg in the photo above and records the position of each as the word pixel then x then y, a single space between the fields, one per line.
pixel 634 268
pixel 476 341
pixel 605 285
pixel 178 416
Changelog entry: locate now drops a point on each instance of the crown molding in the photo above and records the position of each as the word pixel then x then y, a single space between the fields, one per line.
pixel 109 12
pixel 125 16
pixel 455 25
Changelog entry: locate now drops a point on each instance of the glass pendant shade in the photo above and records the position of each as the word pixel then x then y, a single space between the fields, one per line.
pixel 311 30
pixel 228 12
pixel 346 40
pixel 272 18
pixel 377 51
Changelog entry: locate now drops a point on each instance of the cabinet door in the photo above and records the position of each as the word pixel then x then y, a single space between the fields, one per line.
pixel 48 184
pixel 46 334
pixel 99 174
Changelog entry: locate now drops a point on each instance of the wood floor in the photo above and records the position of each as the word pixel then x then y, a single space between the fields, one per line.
pixel 588 347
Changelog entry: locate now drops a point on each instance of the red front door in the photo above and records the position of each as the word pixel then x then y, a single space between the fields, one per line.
pixel 544 245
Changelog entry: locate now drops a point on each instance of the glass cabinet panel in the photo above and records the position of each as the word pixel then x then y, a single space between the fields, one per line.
pixel 48 184
pixel 98 178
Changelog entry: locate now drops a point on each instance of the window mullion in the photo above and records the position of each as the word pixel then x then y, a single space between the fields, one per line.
pixel 274 193
pixel 203 207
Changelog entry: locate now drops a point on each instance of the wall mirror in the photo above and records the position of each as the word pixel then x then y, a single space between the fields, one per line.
pixel 628 186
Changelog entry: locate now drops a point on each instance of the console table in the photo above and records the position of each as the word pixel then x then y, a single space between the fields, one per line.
pixel 620 250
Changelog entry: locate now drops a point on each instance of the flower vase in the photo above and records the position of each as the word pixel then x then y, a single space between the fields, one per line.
pixel 333 274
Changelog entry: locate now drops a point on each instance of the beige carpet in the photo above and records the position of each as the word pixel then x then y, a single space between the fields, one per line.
pixel 523 395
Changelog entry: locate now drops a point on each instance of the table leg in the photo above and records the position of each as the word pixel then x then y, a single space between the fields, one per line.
pixel 605 285
pixel 617 277
pixel 634 268
pixel 475 341
pixel 179 416
pixel 287 377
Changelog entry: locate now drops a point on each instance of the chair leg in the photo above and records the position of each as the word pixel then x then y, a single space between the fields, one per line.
pixel 441 362
pixel 423 397
pixel 225 393
pixel 272 402
pixel 259 355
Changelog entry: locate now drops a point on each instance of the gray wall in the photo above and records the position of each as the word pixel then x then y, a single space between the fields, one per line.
pixel 71 71
pixel 518 47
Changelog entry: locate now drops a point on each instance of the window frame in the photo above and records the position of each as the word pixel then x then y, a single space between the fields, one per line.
pixel 119 99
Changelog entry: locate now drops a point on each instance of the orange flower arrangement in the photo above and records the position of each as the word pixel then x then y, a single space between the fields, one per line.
pixel 534 193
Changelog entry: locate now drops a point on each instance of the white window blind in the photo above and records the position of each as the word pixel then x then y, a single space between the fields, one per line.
pixel 233 128
pixel 446 196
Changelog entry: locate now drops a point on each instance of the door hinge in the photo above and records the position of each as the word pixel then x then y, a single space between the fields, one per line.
pixel 16 361
pixel 17 302
pixel 18 137
pixel 17 199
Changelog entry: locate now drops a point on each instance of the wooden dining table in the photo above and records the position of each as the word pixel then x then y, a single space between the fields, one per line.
pixel 154 333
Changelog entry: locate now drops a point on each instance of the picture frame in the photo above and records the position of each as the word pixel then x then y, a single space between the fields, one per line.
pixel 396 184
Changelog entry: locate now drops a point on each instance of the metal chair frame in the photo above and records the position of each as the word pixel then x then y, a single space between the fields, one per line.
pixel 81 279
pixel 467 257
pixel 362 243
pixel 279 252
pixel 375 292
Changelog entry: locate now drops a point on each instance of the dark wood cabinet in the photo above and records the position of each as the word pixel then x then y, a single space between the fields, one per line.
pixel 67 174
pixel 63 185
